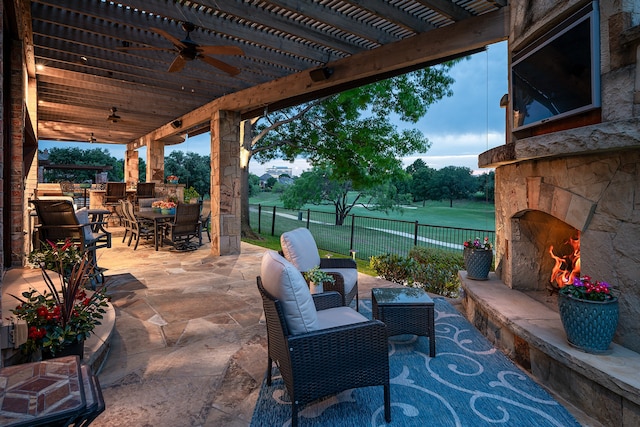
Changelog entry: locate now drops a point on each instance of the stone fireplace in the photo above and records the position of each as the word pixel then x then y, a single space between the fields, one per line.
pixel 572 178
pixel 580 175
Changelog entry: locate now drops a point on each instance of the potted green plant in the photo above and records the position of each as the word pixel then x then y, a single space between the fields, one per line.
pixel 172 179
pixel 62 317
pixel 478 257
pixel 191 195
pixel 316 279
pixel 56 257
pixel 589 314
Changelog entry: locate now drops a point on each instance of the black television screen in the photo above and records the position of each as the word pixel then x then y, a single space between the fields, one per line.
pixel 559 74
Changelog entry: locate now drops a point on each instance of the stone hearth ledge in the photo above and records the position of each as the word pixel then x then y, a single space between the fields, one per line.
pixel 542 328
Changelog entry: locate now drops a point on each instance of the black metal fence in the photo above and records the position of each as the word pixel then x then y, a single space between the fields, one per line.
pixel 362 236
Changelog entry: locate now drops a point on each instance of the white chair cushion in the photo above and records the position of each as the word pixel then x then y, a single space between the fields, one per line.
pixel 285 282
pixel 350 276
pixel 299 247
pixel 339 316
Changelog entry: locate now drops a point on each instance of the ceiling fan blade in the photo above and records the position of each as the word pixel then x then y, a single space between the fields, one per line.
pixel 220 50
pixel 125 49
pixel 169 37
pixel 229 69
pixel 177 64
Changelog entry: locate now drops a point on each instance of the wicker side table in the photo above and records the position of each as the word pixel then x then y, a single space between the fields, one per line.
pixel 405 311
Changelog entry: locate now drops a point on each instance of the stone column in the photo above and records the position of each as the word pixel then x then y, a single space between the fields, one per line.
pixel 225 183
pixel 131 171
pixel 155 161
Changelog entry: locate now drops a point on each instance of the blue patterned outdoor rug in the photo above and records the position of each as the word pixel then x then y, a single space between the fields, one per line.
pixel 468 383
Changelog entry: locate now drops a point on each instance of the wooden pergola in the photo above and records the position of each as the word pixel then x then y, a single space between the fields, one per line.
pixel 100 71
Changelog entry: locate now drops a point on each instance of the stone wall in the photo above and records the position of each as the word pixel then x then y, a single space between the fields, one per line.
pixel 587 177
pixel 598 194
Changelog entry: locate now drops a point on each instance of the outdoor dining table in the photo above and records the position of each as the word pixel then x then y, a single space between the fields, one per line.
pixel 158 219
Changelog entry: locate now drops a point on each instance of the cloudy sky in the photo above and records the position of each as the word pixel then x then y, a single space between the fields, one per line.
pixel 459 128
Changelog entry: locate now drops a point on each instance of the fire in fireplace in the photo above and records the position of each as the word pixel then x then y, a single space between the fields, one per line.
pixel 567 262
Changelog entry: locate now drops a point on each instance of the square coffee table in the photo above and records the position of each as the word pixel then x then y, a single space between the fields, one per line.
pixel 405 311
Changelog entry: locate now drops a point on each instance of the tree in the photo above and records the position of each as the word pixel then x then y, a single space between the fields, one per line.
pixel 486 185
pixel 193 170
pixel 77 156
pixel 421 176
pixel 452 182
pixel 320 187
pixel 254 185
pixel 363 152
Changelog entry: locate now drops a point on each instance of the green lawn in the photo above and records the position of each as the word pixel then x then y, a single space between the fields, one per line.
pixel 463 214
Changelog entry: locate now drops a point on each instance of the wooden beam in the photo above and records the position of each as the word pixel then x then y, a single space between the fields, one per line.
pixel 424 48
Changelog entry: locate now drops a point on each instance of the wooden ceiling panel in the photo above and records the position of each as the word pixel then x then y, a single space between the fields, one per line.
pixel 94 54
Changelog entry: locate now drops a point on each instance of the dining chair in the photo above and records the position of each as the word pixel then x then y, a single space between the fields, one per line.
pixel 59 221
pixel 138 227
pixel 114 192
pixel 205 219
pixel 184 227
pixel 145 190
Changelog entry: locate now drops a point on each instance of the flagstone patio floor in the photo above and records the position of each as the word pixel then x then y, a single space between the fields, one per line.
pixel 188 347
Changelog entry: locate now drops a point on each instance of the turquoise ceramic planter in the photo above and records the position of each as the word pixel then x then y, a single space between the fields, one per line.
pixel 589 325
pixel 478 263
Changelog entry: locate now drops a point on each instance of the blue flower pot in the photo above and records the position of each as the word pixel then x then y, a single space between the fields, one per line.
pixel 478 263
pixel 589 325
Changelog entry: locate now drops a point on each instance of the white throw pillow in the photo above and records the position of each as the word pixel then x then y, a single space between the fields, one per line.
pixel 299 247
pixel 285 282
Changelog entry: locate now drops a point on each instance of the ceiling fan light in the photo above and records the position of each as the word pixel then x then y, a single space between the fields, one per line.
pixel 113 117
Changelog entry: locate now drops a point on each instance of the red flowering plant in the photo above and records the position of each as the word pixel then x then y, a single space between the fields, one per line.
pixel 476 244
pixel 585 288
pixel 61 315
pixel 168 204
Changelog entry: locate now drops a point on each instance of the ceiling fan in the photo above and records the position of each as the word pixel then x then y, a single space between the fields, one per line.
pixel 113 117
pixel 188 50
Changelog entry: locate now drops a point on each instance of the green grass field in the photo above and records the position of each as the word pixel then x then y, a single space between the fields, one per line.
pixel 463 214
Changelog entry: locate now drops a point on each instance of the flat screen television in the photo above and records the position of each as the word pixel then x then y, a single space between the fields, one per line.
pixel 558 75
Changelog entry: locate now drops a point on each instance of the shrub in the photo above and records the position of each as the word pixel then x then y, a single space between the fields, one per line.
pixel 190 193
pixel 394 268
pixel 433 270
pixel 438 271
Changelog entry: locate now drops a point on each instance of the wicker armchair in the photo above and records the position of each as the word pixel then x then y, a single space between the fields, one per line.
pixel 347 351
pixel 299 247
